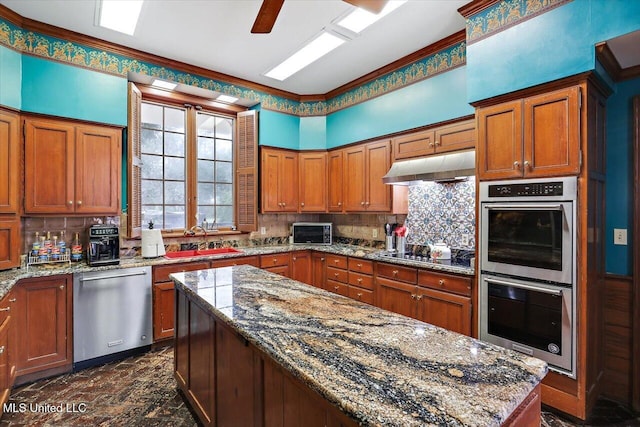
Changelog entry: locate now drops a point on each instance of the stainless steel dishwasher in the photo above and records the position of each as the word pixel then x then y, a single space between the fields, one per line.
pixel 111 314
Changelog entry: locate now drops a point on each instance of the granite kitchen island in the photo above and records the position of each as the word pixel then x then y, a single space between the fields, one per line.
pixel 256 348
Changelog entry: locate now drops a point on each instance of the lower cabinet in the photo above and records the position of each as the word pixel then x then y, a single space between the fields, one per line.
pixel 276 263
pixel 9 242
pixel 318 269
pixel 44 315
pixel 301 267
pixel 7 349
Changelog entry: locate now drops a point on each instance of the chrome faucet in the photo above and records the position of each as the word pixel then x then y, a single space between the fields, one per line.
pixel 192 231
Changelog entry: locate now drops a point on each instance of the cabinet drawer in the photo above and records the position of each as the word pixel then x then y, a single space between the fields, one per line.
pixel 337 275
pixel 245 260
pixel 445 282
pixel 413 145
pixel 282 270
pixel 337 261
pixel 274 260
pixel 360 294
pixel 337 287
pixel 360 265
pixel 161 272
pixel 396 272
pixel 361 280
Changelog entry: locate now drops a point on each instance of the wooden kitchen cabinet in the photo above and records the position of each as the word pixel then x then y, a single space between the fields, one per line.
pixel 449 311
pixel 276 263
pixel 450 137
pixel 9 242
pixel 44 315
pixel 71 168
pixel 537 136
pixel 279 180
pixel 9 162
pixel 202 359
pixel 301 267
pixel 245 260
pixel 335 181
pixel 312 190
pixel 7 347
pixel 318 269
pixel 364 167
pixel 396 296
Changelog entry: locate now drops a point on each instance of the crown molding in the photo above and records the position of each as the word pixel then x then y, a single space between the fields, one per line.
pixel 475 7
pixel 612 66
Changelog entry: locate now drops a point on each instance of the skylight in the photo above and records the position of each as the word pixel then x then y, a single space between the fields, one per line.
pixel 359 19
pixel 227 98
pixel 309 53
pixel 119 15
pixel 163 84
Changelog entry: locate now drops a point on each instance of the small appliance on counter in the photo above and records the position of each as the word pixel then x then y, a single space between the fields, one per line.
pixel 317 233
pixel 104 245
pixel 440 251
pixel 152 243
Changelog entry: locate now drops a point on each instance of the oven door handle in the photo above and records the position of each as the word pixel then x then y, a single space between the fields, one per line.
pixel 555 292
pixel 510 206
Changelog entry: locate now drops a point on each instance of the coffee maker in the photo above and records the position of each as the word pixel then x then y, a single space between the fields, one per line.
pixel 104 245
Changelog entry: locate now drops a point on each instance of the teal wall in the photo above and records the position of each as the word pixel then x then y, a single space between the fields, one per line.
pixel 278 129
pixel 62 90
pixel 551 46
pixel 10 78
pixel 439 98
pixel 313 133
pixel 619 197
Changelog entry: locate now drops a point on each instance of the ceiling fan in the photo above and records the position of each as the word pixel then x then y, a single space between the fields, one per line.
pixel 270 9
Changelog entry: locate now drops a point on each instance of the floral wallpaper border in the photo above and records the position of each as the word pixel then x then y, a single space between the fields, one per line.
pixel 505 14
pixel 32 43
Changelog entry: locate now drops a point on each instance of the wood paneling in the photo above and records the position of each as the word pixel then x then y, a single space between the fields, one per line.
pixel 163 301
pixel 312 192
pixel 134 162
pixel 336 189
pixel 301 267
pixel 247 171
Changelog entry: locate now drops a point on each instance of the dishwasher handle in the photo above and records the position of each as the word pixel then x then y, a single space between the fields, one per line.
pixel 113 276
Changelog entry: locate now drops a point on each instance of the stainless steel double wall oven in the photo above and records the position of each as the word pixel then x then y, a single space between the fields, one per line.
pixel 528 268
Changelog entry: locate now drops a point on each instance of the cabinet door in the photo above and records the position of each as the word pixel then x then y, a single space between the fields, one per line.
pixel 269 171
pixel 336 186
pixel 319 270
pixel 413 145
pixel 9 162
pixel 181 344
pixel 45 319
pixel 202 362
pixel 163 302
pixel 302 407
pixel 301 267
pixel 245 260
pixel 360 294
pixel 98 156
pixel 337 287
pixel 5 385
pixel 396 296
pixel 9 243
pixel 288 182
pixel 313 182
pixel 449 311
pixel 49 167
pixel 235 366
pixel 499 148
pixel 354 179
pixel 457 136
pixel 378 160
pixel 552 134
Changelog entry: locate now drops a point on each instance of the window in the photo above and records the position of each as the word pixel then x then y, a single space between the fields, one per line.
pixel 187 167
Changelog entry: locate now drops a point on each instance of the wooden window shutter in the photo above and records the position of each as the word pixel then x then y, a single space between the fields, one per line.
pixel 134 196
pixel 247 171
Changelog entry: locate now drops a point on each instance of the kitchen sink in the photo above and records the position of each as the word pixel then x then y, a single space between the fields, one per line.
pixel 201 252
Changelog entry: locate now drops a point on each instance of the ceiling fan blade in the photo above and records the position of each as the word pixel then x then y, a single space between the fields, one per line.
pixel 373 6
pixel 267 16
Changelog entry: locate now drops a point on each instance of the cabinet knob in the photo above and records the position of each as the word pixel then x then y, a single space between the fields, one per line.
pixel 395 272
pixel 431 145
pixel 5 309
pixel 516 164
pixel 62 287
pixel 419 297
pixel 336 287
pixel 359 265
pixel 361 203
pixel 359 279
pixel 336 274
pixel 2 350
pixel 12 300
pixel 70 202
pixel 437 143
pixel 275 260
pixel 441 282
pixel 336 261
pixel 413 296
pixel 302 204
pixel 295 259
pixel 339 203
pixel 284 204
pixel 527 164
pixel 359 294
pixel 79 202
pixel 367 203
pixel 322 259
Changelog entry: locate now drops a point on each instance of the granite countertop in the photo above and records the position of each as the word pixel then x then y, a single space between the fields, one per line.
pixel 8 278
pixel 378 367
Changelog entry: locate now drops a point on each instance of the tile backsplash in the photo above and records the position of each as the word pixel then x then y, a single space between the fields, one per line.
pixel 442 212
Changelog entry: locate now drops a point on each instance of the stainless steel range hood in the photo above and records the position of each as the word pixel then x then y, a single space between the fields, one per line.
pixel 445 167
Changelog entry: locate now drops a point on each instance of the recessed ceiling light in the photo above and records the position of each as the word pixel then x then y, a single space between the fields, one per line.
pixel 227 98
pixel 359 19
pixel 119 15
pixel 162 84
pixel 313 50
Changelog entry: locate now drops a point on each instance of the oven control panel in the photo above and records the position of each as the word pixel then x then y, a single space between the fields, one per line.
pixel 524 190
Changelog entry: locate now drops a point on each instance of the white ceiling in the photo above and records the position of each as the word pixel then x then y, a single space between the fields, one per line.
pixel 215 34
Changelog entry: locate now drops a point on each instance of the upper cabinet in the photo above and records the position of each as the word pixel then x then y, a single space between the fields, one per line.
pixel 71 168
pixel 364 166
pixel 279 180
pixel 312 188
pixel 451 137
pixel 9 162
pixel 533 137
pixel 336 183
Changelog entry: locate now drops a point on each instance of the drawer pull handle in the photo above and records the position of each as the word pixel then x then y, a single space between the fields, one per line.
pixel 395 272
pixel 322 259
pixel 359 279
pixel 359 265
pixel 336 274
pixel 336 261
pixel 441 282
pixel 359 294
pixel 275 260
pixel 336 287
pixel 12 300
pixel 5 309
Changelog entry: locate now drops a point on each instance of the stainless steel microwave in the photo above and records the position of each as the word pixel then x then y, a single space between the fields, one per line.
pixel 314 233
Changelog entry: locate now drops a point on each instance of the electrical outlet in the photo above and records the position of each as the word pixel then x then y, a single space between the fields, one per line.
pixel 375 233
pixel 619 236
pixel 464 239
pixel 263 230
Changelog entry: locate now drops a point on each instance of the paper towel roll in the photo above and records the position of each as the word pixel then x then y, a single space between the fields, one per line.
pixel 152 244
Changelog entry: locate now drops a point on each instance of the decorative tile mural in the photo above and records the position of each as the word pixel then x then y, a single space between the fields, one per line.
pixel 442 212
pixel 505 14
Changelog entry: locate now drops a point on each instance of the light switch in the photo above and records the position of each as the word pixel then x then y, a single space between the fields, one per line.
pixel 619 236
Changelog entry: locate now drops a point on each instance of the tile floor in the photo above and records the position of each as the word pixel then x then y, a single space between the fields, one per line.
pixel 141 391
